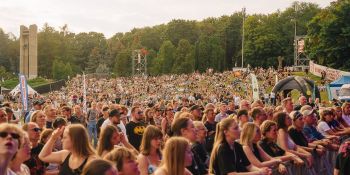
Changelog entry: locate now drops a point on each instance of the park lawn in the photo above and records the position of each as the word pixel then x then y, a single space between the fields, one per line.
pixel 11 83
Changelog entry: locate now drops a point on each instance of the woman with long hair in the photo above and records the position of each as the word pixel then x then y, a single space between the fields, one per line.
pixel 109 138
pixel 255 154
pixel 149 114
pixel 23 154
pixel 167 120
pixel 10 141
pixel 177 156
pixel 39 118
pixel 283 122
pixel 268 143
pixel 150 154
pixel 124 160
pixel 77 149
pixel 228 156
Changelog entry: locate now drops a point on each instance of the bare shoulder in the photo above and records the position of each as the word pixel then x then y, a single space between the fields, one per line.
pixel 160 171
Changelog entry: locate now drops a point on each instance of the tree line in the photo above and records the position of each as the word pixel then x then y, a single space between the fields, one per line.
pixel 184 46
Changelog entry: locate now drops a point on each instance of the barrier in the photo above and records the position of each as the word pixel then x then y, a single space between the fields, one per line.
pixel 331 74
pixel 50 87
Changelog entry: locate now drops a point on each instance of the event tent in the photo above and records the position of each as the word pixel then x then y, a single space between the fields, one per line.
pixel 303 85
pixel 17 90
pixel 334 87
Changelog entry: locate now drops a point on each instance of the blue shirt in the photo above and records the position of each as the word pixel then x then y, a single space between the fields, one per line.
pixel 311 133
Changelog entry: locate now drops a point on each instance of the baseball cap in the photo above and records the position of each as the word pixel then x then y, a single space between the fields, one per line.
pixel 38 102
pixel 307 112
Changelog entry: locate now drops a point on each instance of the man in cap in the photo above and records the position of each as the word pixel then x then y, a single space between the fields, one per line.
pixel 37 105
pixel 196 112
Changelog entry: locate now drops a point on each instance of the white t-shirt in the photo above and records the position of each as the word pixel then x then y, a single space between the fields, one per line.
pixel 120 125
pixel 322 127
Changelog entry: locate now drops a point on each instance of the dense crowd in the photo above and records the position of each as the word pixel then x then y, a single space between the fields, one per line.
pixel 174 125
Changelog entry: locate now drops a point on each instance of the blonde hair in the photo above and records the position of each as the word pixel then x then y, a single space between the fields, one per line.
pixel 174 155
pixel 248 133
pixel 118 155
pixel 34 115
pixel 80 140
pixel 221 127
pixel 13 128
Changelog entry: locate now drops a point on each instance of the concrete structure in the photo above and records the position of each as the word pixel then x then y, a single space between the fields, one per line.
pixel 28 63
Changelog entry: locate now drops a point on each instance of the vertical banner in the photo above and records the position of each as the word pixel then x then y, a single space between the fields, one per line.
pixel 255 87
pixel 24 92
pixel 84 94
pixel 276 79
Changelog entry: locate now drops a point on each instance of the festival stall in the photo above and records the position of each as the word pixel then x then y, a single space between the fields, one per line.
pixel 334 87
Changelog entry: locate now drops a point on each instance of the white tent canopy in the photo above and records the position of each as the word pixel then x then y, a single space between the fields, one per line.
pixel 17 90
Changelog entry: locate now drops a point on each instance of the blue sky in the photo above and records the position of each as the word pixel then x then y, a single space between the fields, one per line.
pixel 112 16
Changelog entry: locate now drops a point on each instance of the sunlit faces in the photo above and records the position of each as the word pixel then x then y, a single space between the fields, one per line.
pixel 34 131
pixel 157 142
pixel 201 131
pixel 233 132
pixel 299 122
pixel 66 140
pixel 188 156
pixel 8 143
pixel 115 140
pixel 24 151
pixel 244 118
pixel 130 167
pixel 3 117
pixel 287 121
pixel 190 131
pixel 40 119
pixel 272 133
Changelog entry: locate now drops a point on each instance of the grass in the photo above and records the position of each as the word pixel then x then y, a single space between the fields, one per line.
pixel 11 83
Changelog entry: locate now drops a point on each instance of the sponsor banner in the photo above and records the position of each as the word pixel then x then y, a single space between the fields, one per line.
pixel 84 94
pixel 331 74
pixel 24 92
pixel 255 87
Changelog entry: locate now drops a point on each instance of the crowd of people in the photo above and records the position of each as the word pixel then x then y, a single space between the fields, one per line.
pixel 174 125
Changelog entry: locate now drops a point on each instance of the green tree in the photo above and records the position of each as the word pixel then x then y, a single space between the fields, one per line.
pixel 184 60
pixel 123 65
pixel 329 36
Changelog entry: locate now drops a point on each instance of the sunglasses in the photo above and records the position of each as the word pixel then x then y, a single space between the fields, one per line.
pixel 140 112
pixel 37 129
pixel 5 134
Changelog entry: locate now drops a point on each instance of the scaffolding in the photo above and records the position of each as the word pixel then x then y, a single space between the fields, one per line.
pixel 300 59
pixel 139 62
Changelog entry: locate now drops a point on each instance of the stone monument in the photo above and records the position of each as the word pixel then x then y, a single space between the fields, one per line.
pixel 28 63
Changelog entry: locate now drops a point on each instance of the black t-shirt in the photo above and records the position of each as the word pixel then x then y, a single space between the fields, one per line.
pixel 35 165
pixel 73 120
pixel 271 148
pixel 48 124
pixel 230 160
pixel 210 138
pixel 256 152
pixel 199 149
pixel 298 137
pixel 342 164
pixel 197 167
pixel 135 132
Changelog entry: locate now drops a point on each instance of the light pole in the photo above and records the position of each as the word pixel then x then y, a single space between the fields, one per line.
pixel 295 33
pixel 243 14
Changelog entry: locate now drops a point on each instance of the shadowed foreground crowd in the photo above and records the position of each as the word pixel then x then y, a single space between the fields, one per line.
pixel 174 136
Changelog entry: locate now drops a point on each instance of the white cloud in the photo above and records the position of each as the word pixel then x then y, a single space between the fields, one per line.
pixel 111 16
